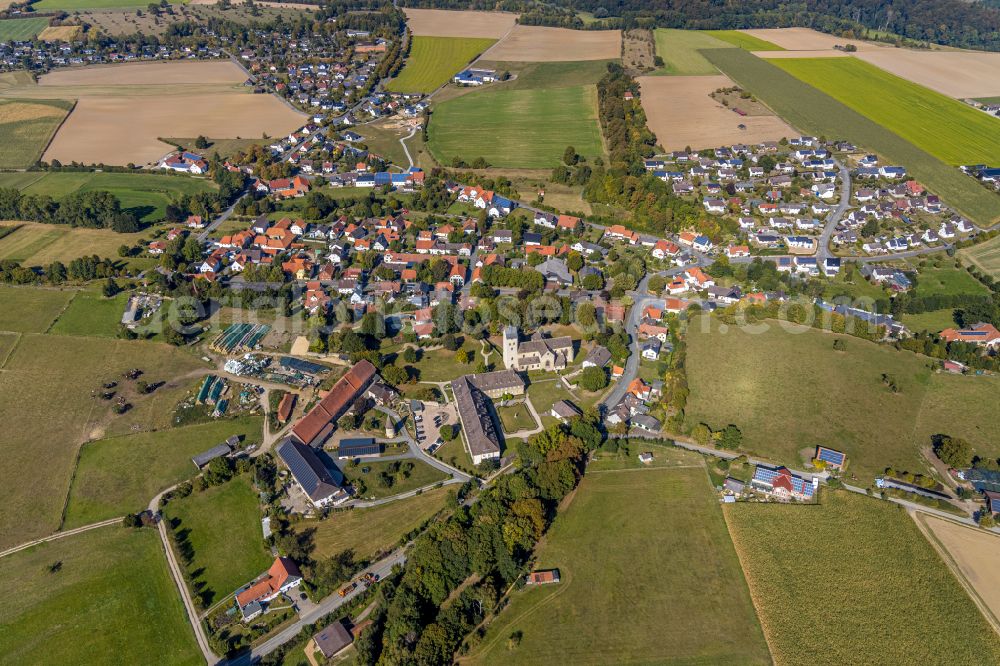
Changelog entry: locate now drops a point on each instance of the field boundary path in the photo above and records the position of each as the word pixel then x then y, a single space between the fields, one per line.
pixel 60 535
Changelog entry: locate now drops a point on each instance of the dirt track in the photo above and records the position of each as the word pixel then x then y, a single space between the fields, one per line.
pixel 527 43
pixel 681 113
pixel 447 23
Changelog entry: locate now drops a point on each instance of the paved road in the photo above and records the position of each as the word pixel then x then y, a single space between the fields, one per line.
pixel 222 217
pixel 823 249
pixel 403 141
pixel 60 535
pixel 382 568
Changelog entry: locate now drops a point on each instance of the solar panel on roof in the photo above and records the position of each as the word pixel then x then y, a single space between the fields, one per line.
pixel 831 456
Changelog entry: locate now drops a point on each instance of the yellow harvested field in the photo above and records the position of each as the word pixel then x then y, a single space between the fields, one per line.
pixel 682 113
pixel 147 73
pixel 14 112
pixel 123 109
pixel 528 43
pixel 954 73
pixel 447 23
pixel 973 552
pixel 36 244
pixel 61 33
pixel 807 39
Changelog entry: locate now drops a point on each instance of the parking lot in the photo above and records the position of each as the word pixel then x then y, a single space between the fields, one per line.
pixel 428 424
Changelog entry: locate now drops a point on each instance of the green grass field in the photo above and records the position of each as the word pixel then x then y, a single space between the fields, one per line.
pixel 369 531
pixel 984 256
pixel 37 244
pixel 791 391
pixel 121 474
pixel 527 129
pixel 679 50
pixel 932 321
pixel 516 418
pixel 90 313
pixel 811 110
pixel 48 409
pixel 883 596
pixel 649 575
pixel 952 131
pixel 27 126
pixel 31 310
pixel 743 40
pixel 112 600
pixel 223 526
pixel 420 476
pixel 21 29
pixel 943 277
pixel 434 60
pixel 144 194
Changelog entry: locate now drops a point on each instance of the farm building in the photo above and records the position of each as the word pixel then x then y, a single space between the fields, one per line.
pixel 317 425
pixel 223 449
pixel 286 406
pixel 781 483
pixel 311 474
pixel 542 577
pixel 305 367
pixel 831 457
pixel 283 575
pixel 358 447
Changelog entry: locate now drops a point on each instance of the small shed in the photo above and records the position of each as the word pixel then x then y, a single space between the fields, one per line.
pixel 206 457
pixel 542 577
pixel 358 447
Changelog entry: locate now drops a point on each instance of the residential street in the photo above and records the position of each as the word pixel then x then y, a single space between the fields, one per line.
pixel 823 249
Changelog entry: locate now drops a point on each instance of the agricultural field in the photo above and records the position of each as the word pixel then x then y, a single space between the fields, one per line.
pixel 970 553
pixel 31 310
pixel 26 127
pixel 744 40
pixel 984 256
pixel 883 597
pixel 807 39
pixel 813 395
pixel 946 128
pixel 122 474
pixel 959 74
pixel 61 33
pixel 36 244
pixel 520 128
pixel 631 593
pixel 21 29
pixel 83 5
pixel 447 23
pixel 222 525
pixel 810 110
pixel 111 595
pixel 434 60
pixel 47 403
pixel 682 113
pixel 679 50
pixel 528 43
pixel 146 195
pixel 156 98
pixel 374 530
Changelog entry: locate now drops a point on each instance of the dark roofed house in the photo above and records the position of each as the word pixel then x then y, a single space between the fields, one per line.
pixel 992 501
pixel 598 357
pixel 330 641
pixel 564 409
pixel 358 447
pixel 474 413
pixel 311 474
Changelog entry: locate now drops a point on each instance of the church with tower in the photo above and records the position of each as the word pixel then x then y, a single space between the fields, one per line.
pixel 538 353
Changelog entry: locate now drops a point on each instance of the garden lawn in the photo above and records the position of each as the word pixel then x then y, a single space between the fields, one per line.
pixel 679 50
pixel 933 321
pixel 946 128
pixel 90 313
pixel 121 474
pixel 421 475
pixel 27 126
pixel 649 575
pixel 810 110
pixel 743 40
pixel 520 128
pixel 947 279
pixel 791 391
pixel 854 581
pixel 223 527
pixel 30 309
pixel 111 600
pixel 984 256
pixel 516 418
pixel 375 530
pixel 434 60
